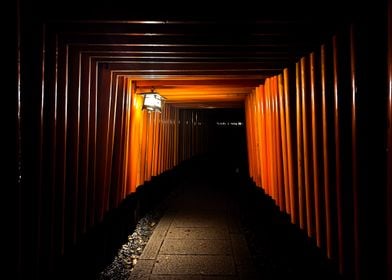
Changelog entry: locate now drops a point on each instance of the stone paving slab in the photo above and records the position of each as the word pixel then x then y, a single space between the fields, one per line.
pixel 153 245
pixel 174 277
pixel 194 265
pixel 191 277
pixel 199 222
pixel 196 247
pixel 201 217
pixel 142 269
pixel 198 233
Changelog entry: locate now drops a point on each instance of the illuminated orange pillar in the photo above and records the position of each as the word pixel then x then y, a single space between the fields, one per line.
pixel 299 149
pixel 290 170
pixel 256 94
pixel 284 144
pixel 251 137
pixel 135 150
pixel 127 161
pixel 278 147
pixel 271 183
pixel 264 142
pixel 306 154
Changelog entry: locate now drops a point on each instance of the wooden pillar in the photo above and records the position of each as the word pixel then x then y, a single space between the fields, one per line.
pixel 338 176
pixel 389 147
pixel 306 153
pixel 326 186
pixel 316 191
pixel 278 147
pixel 290 170
pixel 300 182
pixel 353 80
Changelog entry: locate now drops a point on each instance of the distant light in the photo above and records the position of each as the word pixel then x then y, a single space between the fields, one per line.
pixel 229 123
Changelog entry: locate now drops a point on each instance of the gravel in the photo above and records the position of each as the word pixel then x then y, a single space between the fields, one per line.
pixel 129 253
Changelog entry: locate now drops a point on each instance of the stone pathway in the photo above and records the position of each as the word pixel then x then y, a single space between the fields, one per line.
pixel 199 237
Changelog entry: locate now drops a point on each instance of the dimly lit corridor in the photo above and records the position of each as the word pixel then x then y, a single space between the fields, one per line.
pixel 273 122
pixel 211 216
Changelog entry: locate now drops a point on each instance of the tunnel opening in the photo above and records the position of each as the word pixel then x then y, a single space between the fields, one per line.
pixel 225 140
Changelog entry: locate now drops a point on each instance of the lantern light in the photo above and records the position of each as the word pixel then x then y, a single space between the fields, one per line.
pixel 152 101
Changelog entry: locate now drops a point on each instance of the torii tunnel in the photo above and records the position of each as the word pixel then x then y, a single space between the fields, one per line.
pixel 299 97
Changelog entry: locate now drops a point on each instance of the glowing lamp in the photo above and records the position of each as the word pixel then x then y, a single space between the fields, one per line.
pixel 152 102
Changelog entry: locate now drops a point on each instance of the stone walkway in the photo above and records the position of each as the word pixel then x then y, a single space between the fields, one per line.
pixel 199 237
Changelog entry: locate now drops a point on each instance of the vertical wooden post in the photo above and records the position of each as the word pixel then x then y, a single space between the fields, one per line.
pixel 167 139
pixel 171 124
pixel 327 202
pixel 135 126
pixel 268 186
pixel 306 154
pixel 316 187
pixel 19 173
pixel 84 79
pixel 389 141
pixel 256 139
pixel 284 143
pixel 264 147
pixel 127 128
pixel 64 118
pixel 111 132
pixel 93 85
pixel 337 156
pixel 278 147
pixel 252 137
pixel 118 145
pixel 149 144
pixel 175 135
pixel 163 138
pixel 290 170
pixel 106 146
pixel 299 148
pixel 248 139
pixel 142 164
pixel 258 128
pixel 40 182
pixel 271 137
pixel 353 80
pixel 160 143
